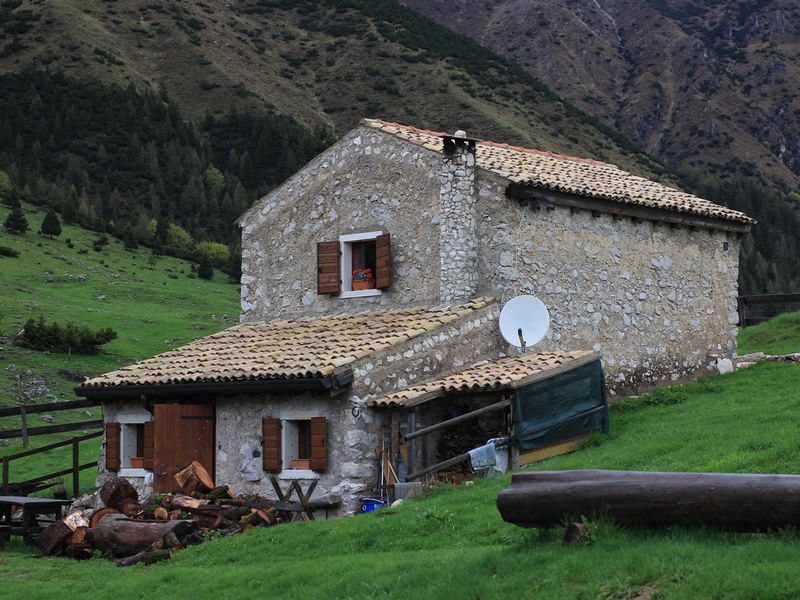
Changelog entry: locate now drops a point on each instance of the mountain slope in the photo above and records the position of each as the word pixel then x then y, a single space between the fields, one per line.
pixel 324 62
pixel 710 84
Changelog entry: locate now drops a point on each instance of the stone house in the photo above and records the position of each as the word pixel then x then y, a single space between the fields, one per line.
pixel 372 281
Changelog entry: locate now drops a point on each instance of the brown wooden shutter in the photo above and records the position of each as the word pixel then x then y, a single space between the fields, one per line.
pixel 271 452
pixel 148 448
pixel 112 447
pixel 319 444
pixel 383 262
pixel 328 268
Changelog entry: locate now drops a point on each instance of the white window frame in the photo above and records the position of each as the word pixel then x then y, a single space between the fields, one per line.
pixel 346 274
pixel 127 430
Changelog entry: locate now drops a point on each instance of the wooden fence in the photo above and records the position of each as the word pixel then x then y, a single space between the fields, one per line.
pixel 762 307
pixel 25 431
pixel 42 482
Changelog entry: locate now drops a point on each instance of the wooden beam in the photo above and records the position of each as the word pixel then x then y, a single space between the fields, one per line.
pixel 47 407
pixel 15 433
pixel 394 440
pixel 460 419
pixel 439 466
pixel 54 445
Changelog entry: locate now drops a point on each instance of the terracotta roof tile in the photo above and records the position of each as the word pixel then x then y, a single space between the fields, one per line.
pixel 569 174
pixel 288 348
pixel 508 372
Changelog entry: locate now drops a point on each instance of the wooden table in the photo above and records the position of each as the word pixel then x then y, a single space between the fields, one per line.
pixel 32 508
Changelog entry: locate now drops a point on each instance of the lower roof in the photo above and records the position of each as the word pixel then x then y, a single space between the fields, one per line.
pixel 505 373
pixel 287 349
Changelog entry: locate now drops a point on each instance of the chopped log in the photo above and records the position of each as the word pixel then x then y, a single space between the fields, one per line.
pixel 130 508
pixel 148 557
pixel 170 540
pixel 246 528
pixel 264 515
pixel 161 513
pixel 740 502
pixel 123 536
pixel 221 492
pixel 234 513
pixel 194 478
pixel 208 521
pixel 574 533
pixel 186 502
pixel 250 519
pixel 80 551
pixel 174 515
pixel 115 490
pixel 79 536
pixel 53 538
pixel 76 519
pixel 99 514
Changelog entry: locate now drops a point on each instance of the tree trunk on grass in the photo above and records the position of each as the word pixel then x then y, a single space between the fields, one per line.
pixel 99 514
pixel 118 491
pixel 123 537
pixel 53 538
pixel 741 502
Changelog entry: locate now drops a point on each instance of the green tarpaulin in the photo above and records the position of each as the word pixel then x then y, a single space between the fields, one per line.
pixel 560 408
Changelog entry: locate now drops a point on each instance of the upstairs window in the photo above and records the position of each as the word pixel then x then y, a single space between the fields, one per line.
pixel 358 265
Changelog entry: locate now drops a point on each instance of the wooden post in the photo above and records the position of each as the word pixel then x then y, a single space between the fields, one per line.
pixel 24 417
pixel 395 440
pixel 6 460
pixel 76 469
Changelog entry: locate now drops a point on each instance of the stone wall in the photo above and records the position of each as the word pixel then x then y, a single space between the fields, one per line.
pixel 653 298
pixel 368 181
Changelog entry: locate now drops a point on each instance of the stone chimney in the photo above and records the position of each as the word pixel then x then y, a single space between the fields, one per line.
pixel 458 247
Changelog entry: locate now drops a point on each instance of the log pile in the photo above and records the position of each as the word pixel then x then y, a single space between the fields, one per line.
pixel 151 533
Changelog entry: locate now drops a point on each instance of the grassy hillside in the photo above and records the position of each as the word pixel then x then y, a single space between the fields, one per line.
pixel 322 61
pixel 780 335
pixel 152 304
pixel 453 544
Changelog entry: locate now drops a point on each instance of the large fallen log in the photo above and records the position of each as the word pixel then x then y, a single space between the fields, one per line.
pixel 53 538
pixel 124 537
pixel 741 502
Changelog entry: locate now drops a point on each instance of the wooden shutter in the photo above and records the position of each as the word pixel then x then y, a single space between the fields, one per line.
pixel 148 448
pixel 319 444
pixel 328 268
pixel 383 262
pixel 271 452
pixel 113 461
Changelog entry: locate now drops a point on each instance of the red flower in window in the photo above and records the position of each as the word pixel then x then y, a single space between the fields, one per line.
pixel 362 274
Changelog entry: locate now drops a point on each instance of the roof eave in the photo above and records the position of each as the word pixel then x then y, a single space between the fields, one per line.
pixel 329 383
pixel 524 191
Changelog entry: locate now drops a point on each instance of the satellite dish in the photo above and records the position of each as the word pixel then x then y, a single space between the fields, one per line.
pixel 524 321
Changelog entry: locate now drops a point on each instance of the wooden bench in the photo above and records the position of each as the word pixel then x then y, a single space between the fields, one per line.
pixel 5 533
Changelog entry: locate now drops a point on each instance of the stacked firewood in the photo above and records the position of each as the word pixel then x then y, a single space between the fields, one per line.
pixel 150 533
pixel 453 442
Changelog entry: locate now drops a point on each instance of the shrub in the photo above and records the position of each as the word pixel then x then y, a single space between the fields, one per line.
pixel 39 335
pixel 218 255
pixel 100 243
pixel 204 269
pixel 10 252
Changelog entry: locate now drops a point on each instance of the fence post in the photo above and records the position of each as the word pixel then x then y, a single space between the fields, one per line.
pixel 6 460
pixel 24 417
pixel 76 471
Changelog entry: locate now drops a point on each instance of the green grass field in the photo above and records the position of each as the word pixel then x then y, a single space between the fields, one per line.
pixel 153 306
pixel 780 335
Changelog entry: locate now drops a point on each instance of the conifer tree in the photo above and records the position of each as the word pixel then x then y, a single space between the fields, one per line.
pixel 15 221
pixel 50 224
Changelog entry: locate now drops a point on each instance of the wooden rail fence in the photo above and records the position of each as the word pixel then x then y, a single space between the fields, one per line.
pixel 39 483
pixel 25 431
pixel 762 307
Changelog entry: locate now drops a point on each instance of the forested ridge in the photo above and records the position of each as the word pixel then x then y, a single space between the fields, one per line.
pixel 113 159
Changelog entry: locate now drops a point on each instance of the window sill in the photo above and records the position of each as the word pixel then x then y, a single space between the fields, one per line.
pixel 129 472
pixel 298 474
pixel 360 294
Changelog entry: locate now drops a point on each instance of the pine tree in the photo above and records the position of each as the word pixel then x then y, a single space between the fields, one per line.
pixel 15 221
pixel 50 224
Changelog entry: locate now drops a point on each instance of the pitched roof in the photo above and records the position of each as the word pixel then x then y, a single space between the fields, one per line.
pixel 568 174
pixel 306 347
pixel 509 372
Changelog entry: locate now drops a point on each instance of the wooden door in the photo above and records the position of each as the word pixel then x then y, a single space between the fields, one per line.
pixel 183 433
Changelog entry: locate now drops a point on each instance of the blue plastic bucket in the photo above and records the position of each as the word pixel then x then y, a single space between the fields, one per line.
pixel 371 504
